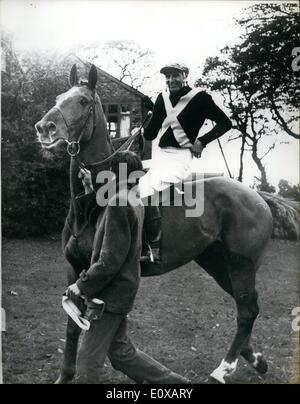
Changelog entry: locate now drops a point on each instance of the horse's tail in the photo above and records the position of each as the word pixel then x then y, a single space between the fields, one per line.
pixel 286 216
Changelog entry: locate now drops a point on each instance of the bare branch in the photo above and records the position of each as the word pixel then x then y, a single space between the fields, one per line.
pixel 234 138
pixel 247 141
pixel 280 120
pixel 270 148
pixel 47 75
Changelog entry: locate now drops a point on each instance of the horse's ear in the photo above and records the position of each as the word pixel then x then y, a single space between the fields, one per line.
pixel 73 79
pixel 93 77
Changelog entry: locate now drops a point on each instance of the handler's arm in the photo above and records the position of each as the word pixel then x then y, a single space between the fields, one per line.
pixel 115 247
pixel 223 123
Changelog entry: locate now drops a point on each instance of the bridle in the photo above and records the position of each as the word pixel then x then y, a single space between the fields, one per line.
pixel 74 145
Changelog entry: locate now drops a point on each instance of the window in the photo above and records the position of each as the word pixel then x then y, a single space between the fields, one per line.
pixel 125 120
pixel 112 126
pixel 112 117
pixel 118 118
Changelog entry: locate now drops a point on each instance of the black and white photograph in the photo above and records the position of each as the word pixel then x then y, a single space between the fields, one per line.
pixel 150 194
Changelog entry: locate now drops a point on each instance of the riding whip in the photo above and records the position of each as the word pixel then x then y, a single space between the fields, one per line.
pixel 146 119
pixel 219 143
pixel 223 155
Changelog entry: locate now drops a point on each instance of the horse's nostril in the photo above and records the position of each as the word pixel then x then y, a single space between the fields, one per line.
pixel 38 128
pixel 51 127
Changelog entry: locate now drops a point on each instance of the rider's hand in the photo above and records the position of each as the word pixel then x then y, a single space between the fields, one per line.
pixel 197 148
pixel 73 292
pixel 86 177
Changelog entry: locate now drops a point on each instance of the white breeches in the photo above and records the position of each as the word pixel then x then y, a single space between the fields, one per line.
pixel 169 165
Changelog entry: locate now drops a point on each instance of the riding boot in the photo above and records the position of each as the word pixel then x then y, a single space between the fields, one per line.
pixel 152 235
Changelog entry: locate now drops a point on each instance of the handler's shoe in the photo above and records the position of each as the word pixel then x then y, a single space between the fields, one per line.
pixel 175 378
pixel 172 378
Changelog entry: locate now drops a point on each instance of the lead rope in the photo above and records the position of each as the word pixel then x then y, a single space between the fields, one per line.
pixel 125 146
pixel 74 154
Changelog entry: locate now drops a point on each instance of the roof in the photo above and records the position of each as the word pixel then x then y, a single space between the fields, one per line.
pixel 114 79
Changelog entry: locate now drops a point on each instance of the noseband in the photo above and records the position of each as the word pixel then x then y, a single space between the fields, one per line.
pixel 73 145
pixel 73 149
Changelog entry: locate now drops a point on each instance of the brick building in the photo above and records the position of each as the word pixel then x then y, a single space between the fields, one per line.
pixel 125 108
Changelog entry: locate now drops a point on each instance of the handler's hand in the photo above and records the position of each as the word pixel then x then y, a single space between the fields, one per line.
pixel 197 148
pixel 86 177
pixel 73 292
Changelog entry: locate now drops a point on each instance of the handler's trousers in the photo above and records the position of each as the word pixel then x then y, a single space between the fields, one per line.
pixel 107 336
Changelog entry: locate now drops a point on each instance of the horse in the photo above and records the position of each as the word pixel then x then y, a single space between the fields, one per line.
pixel 228 240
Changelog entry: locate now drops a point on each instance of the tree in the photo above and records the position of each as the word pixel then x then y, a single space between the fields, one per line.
pixel 288 191
pixel 34 192
pixel 265 57
pixel 257 81
pixel 125 60
pixel 241 98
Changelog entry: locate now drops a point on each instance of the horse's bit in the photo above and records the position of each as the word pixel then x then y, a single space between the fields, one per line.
pixel 75 144
pixel 71 144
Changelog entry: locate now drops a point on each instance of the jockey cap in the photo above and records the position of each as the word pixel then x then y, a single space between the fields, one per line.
pixel 175 66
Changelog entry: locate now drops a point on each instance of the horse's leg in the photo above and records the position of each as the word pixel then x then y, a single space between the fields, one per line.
pixel 255 359
pixel 242 275
pixel 213 261
pixel 68 368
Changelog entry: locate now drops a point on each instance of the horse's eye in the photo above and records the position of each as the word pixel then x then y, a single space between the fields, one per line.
pixel 84 101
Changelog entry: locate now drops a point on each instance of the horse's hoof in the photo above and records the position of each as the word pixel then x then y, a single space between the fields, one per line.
pixel 224 370
pixel 216 380
pixel 260 364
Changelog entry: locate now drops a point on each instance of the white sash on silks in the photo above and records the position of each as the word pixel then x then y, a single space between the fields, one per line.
pixel 170 164
pixel 171 119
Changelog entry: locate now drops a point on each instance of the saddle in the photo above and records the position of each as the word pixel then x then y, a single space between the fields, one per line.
pixel 178 194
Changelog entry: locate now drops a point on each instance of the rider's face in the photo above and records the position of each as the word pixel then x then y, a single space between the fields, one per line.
pixel 175 80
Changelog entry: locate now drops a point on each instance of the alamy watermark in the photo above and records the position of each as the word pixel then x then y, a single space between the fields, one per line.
pixel 296 60
pixel 189 194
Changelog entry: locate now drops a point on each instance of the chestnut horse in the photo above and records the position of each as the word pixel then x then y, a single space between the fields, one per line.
pixel 227 239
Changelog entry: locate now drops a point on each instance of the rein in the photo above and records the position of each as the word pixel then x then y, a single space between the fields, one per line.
pixel 75 144
pixel 125 146
pixel 74 147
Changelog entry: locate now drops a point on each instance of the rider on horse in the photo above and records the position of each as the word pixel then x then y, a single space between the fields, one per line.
pixel 226 240
pixel 178 115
